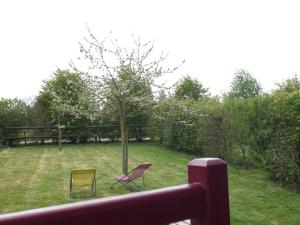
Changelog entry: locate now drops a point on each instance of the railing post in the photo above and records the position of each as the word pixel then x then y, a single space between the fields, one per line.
pixel 212 174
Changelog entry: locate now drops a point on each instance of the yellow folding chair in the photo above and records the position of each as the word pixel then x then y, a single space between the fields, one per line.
pixel 83 179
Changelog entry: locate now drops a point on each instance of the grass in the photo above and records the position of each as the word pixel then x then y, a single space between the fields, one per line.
pixel 38 176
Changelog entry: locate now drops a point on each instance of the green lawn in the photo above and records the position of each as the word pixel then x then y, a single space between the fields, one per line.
pixel 33 177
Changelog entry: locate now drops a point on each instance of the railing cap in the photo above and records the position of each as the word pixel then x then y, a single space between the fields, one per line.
pixel 203 162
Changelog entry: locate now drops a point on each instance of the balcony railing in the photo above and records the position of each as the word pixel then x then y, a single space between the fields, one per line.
pixel 204 200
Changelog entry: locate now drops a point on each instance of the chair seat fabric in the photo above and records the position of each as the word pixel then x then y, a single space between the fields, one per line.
pixel 132 176
pixel 122 177
pixel 83 178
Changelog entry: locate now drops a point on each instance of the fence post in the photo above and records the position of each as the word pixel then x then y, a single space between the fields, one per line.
pixel 1 138
pixel 212 174
pixel 5 135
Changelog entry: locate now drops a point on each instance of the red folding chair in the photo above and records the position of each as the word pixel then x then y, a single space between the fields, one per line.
pixel 132 175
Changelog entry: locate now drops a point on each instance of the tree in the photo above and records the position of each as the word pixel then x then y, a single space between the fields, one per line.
pixel 157 123
pixel 244 85
pixel 118 77
pixel 61 100
pixel 42 107
pixel 13 113
pixel 136 112
pixel 189 88
pixel 290 85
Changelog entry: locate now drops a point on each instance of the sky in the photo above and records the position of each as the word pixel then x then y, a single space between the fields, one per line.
pixel 215 37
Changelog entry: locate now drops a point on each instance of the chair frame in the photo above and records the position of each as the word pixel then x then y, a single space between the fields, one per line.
pixel 93 185
pixel 128 181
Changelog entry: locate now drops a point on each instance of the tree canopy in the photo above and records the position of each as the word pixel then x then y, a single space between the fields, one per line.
pixel 189 88
pixel 244 85
pixel 290 84
pixel 62 94
pixel 121 78
pixel 13 112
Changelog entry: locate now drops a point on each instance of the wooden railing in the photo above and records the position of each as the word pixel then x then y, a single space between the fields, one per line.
pixel 204 200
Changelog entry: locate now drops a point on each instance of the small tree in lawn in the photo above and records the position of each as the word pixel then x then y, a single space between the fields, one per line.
pixel 119 77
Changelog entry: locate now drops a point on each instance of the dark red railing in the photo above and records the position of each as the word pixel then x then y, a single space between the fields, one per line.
pixel 204 200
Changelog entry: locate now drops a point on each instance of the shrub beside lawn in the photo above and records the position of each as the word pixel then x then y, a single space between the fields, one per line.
pixel 38 176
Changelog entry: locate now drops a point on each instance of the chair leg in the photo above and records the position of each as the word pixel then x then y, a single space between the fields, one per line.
pixel 114 184
pixel 143 183
pixel 126 186
pixel 70 188
pixel 95 187
pixel 141 188
pixel 72 193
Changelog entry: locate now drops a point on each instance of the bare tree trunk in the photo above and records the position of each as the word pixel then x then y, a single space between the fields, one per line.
pixel 224 145
pixel 244 158
pixel 124 141
pixel 59 133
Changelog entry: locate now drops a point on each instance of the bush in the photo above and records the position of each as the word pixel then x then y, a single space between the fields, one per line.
pixel 283 155
pixel 191 126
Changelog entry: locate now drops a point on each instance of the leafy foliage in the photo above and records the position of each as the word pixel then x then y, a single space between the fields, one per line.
pixel 290 85
pixel 13 112
pixel 62 93
pixel 191 126
pixel 120 79
pixel 189 88
pixel 61 101
pixel 283 154
pixel 244 85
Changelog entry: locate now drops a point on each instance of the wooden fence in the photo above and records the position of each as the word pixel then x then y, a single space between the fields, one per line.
pixel 69 134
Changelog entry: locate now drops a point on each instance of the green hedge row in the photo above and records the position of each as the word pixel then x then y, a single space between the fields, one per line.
pixel 263 131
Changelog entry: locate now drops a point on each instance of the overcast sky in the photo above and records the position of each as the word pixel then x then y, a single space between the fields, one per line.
pixel 215 37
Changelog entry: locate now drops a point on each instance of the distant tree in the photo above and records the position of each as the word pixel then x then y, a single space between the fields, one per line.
pixel 42 108
pixel 119 76
pixel 159 114
pixel 13 112
pixel 289 85
pixel 61 100
pixel 244 85
pixel 189 88
pixel 62 94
